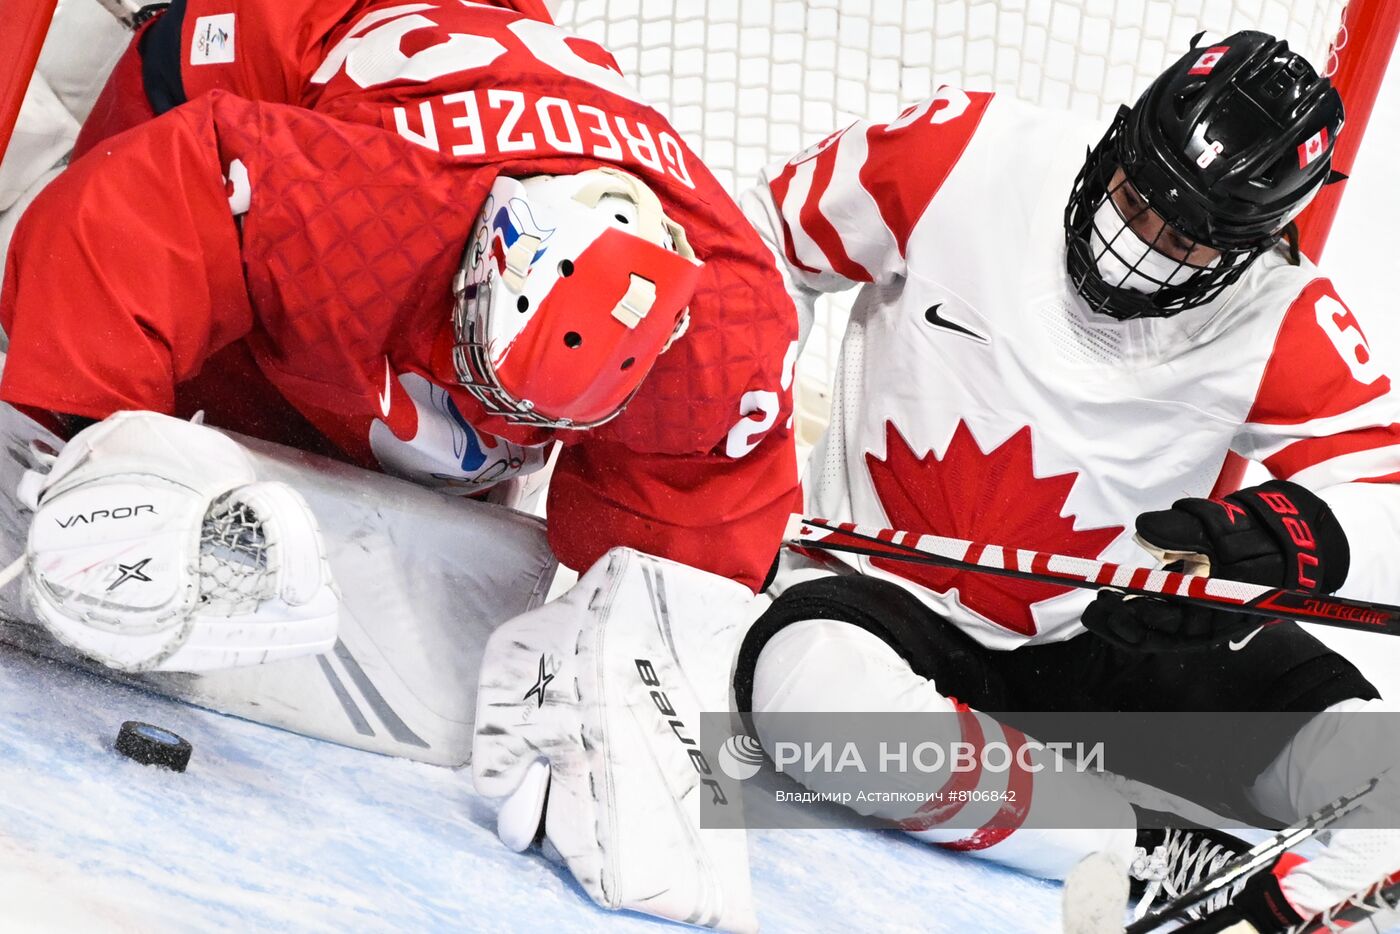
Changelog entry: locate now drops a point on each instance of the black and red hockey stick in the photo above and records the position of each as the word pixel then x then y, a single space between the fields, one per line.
pixel 1094 900
pixel 1089 574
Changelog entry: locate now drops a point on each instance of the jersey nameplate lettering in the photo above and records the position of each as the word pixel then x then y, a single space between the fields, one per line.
pixel 487 121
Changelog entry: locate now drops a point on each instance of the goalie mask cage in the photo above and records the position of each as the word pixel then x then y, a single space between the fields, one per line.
pixel 750 82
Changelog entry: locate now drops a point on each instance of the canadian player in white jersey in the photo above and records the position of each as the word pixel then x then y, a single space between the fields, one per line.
pixel 1055 376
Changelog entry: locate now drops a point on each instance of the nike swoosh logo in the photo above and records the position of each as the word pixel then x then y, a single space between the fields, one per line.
pixel 933 317
pixel 384 397
pixel 1236 646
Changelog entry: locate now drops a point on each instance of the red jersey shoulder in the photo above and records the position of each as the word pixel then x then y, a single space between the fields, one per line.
pixel 1321 363
pixel 350 239
pixel 264 49
pixel 258 49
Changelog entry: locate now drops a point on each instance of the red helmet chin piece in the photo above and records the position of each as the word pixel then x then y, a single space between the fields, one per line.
pixel 571 287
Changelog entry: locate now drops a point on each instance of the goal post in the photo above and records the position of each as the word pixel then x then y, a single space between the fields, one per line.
pixel 23 25
pixel 1357 60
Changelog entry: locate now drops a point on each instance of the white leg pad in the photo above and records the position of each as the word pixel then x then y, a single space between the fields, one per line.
pixel 606 684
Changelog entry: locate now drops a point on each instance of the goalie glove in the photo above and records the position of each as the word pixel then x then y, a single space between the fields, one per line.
pixel 1278 533
pixel 587 722
pixel 153 549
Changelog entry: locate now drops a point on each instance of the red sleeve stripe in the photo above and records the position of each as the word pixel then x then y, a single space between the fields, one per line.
pixel 864 235
pixel 1309 452
pixel 1261 440
pixel 1346 468
pixel 779 188
pixel 820 228
pixel 1388 478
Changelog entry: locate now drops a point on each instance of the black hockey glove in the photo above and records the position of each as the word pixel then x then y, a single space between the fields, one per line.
pixel 1277 533
pixel 1261 903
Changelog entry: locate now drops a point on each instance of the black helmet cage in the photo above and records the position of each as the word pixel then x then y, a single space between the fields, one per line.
pixel 1226 146
pixel 1092 187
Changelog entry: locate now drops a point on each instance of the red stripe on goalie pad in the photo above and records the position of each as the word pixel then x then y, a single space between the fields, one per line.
pixel 1012 814
pixel 951 798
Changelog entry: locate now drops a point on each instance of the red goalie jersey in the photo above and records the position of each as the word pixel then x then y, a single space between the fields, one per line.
pixel 279 252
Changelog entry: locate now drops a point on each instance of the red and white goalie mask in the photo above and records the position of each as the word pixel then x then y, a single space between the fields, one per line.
pixel 570 288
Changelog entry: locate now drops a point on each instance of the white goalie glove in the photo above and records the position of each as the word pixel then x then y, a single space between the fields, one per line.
pixel 588 716
pixel 153 548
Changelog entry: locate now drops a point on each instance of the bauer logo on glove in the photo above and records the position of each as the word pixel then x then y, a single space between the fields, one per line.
pixel 1278 533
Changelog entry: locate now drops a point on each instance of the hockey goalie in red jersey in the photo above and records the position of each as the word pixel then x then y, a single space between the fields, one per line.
pixel 279 250
pixel 1055 377
pixel 432 239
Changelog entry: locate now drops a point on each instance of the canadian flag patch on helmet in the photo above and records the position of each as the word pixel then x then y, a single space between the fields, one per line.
pixel 1314 147
pixel 1208 60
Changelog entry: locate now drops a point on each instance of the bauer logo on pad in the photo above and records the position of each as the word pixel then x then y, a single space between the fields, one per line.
pixel 213 40
pixel 1208 60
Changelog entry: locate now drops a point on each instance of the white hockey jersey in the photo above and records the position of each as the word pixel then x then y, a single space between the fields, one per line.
pixel 977 396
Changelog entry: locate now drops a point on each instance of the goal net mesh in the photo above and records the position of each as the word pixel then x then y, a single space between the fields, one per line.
pixel 750 82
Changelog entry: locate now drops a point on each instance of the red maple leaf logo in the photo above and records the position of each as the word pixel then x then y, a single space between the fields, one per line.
pixel 992 497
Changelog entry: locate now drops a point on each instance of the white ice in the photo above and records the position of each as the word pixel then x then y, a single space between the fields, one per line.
pixel 272 831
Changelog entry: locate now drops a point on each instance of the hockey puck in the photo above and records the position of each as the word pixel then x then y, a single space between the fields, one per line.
pixel 152 745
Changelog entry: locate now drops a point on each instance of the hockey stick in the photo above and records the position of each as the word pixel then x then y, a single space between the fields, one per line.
pixel 1252 860
pixel 1088 911
pixel 1090 574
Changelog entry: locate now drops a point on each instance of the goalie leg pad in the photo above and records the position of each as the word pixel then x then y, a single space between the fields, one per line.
pixel 605 684
pixel 152 548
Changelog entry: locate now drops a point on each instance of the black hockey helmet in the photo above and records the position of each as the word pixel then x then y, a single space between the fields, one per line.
pixel 1226 147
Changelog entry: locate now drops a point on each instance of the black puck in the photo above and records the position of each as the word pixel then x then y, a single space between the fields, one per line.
pixel 152 745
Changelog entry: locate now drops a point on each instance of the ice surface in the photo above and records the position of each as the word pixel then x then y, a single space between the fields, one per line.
pixel 269 830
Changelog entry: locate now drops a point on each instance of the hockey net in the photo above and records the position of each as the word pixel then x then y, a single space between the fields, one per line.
pixel 750 82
